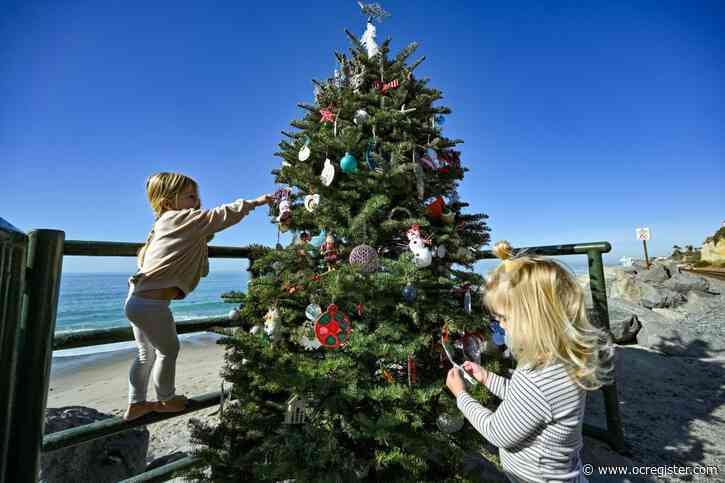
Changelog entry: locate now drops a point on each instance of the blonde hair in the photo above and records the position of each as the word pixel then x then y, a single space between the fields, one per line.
pixel 163 190
pixel 547 320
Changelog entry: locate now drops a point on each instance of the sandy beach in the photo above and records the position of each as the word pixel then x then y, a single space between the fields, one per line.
pixel 101 382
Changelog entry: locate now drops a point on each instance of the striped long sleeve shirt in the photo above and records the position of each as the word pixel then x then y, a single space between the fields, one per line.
pixel 537 426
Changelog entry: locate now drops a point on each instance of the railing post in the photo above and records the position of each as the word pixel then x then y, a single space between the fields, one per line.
pixel 35 350
pixel 13 253
pixel 598 289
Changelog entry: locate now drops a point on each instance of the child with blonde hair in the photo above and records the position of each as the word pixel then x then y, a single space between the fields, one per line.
pixel 560 356
pixel 171 263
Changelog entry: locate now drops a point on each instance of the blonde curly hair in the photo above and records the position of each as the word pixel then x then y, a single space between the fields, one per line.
pixel 163 190
pixel 547 320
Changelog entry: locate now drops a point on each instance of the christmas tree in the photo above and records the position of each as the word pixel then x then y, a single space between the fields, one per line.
pixel 341 375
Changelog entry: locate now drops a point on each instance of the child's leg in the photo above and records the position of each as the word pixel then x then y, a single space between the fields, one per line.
pixel 138 375
pixel 159 329
pixel 153 321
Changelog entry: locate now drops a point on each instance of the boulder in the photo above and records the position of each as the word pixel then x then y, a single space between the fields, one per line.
pixel 671 266
pixel 623 310
pixel 107 459
pixel 660 297
pixel 655 274
pixel 688 337
pixel 683 283
pixel 698 302
pixel 636 291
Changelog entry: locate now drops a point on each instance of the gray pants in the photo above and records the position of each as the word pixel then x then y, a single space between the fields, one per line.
pixel 158 346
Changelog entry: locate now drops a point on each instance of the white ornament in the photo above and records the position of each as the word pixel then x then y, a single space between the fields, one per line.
pixel 421 253
pixel 441 251
pixel 312 202
pixel 328 173
pixel 295 411
pixel 234 314
pixel 368 40
pixel 271 322
pixel 284 211
pixel 304 153
pixel 310 344
pixel 361 117
pixel 313 311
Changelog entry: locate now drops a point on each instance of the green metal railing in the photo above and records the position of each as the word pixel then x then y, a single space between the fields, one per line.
pixel 31 268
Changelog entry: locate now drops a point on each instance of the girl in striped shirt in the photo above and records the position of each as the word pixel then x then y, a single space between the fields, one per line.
pixel 560 356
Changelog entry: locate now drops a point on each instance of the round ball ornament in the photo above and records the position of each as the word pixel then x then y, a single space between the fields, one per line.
pixel 365 257
pixel 450 422
pixel 361 117
pixel 333 328
pixel 409 293
pixel 348 163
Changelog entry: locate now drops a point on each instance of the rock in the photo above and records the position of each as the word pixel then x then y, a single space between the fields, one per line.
pixel 669 314
pixel 686 337
pixel 108 459
pixel 636 291
pixel 626 288
pixel 671 266
pixel 625 331
pixel 683 283
pixel 655 274
pixel 622 310
pixel 697 302
pixel 660 297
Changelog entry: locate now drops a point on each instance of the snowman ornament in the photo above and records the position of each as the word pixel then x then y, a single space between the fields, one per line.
pixel 417 244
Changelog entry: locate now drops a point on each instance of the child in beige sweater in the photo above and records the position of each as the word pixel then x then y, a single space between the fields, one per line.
pixel 171 263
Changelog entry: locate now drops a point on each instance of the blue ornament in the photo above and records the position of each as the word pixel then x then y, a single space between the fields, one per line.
pixel 318 240
pixel 348 163
pixel 409 293
pixel 499 335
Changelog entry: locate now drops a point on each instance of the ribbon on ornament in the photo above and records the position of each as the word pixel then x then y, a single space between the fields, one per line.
pixel 384 88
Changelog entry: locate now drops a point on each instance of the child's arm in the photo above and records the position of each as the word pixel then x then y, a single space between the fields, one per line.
pixel 520 415
pixel 216 219
pixel 498 385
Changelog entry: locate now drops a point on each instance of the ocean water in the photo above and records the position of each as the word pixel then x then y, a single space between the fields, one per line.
pixel 95 301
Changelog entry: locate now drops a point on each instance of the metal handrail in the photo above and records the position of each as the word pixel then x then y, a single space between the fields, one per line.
pixel 85 338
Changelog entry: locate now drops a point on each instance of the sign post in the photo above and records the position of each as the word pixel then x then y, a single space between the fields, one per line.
pixel 644 235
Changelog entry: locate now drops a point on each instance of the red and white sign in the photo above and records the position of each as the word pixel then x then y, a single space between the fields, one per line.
pixel 643 234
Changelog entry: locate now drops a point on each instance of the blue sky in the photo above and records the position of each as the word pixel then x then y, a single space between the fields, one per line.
pixel 582 120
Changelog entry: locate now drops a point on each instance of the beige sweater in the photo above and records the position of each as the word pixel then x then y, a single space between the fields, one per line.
pixel 177 254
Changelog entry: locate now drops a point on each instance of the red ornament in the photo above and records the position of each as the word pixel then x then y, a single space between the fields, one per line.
pixel 327 115
pixel 360 309
pixel 435 209
pixel 333 328
pixel 384 88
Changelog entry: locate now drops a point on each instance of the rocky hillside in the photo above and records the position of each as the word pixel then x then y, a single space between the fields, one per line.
pixel 666 309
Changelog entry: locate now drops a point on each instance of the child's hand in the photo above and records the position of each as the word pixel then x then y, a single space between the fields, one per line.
pixel 479 373
pixel 263 200
pixel 454 381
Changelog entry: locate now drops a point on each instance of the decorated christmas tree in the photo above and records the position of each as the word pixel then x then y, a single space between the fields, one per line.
pixel 340 374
